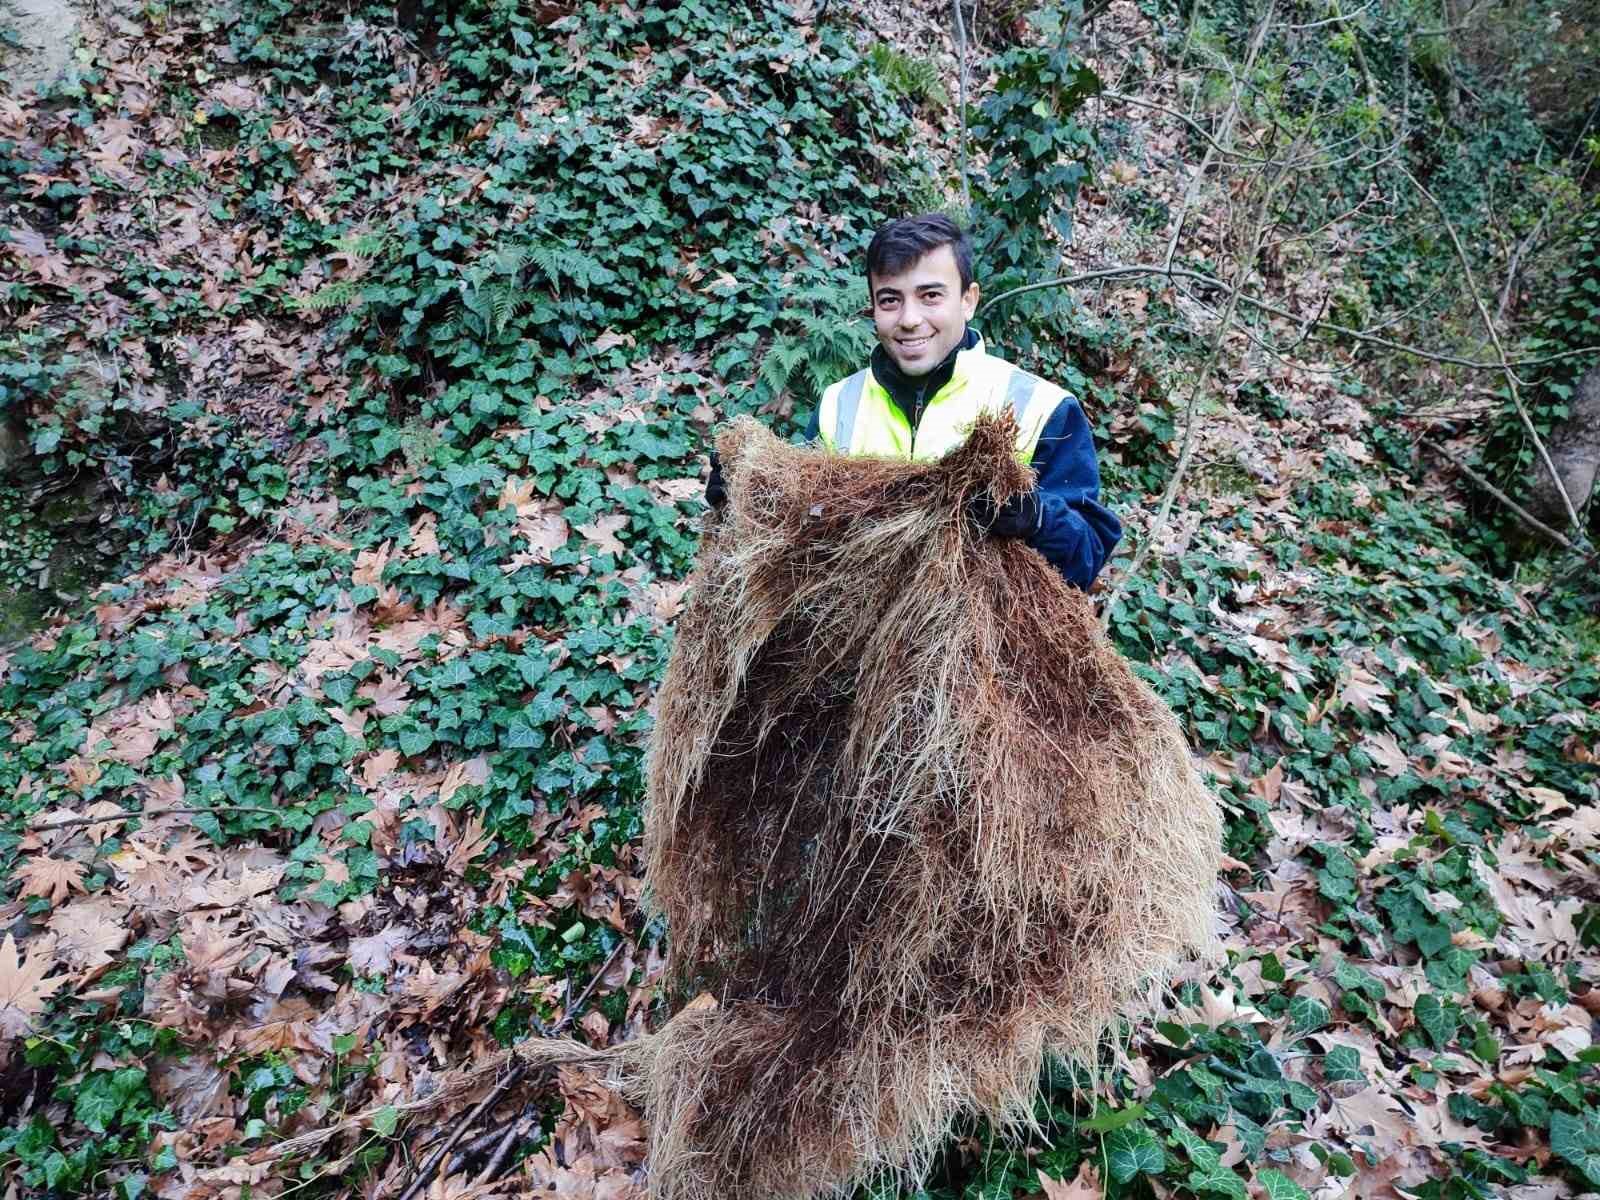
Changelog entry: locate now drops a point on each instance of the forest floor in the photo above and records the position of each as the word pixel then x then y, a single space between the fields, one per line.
pixel 45 31
pixel 380 683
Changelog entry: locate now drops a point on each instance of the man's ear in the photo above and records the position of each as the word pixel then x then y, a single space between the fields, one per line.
pixel 969 300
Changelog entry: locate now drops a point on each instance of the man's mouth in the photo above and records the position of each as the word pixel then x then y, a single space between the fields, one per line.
pixel 914 343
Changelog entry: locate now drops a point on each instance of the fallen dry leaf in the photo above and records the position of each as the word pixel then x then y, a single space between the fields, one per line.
pixel 89 931
pixel 52 878
pixel 23 986
pixel 1085 1185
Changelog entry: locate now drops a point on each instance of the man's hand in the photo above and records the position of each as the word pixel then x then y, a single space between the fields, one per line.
pixel 1018 517
pixel 716 489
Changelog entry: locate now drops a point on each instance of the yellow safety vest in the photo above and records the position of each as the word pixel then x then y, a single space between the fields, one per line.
pixel 857 415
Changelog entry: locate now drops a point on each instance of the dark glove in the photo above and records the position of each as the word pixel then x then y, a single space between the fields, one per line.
pixel 716 489
pixel 1017 517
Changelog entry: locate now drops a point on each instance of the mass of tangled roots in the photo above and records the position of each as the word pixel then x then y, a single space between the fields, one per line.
pixel 913 823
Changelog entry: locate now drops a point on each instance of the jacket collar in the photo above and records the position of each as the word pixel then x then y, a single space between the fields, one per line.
pixel 911 393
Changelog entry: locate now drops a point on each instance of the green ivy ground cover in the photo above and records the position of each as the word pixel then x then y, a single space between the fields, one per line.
pixel 418 322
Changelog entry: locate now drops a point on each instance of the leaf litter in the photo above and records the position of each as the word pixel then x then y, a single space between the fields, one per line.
pixel 1420 974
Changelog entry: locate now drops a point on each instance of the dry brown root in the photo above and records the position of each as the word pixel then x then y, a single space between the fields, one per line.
pixel 912 821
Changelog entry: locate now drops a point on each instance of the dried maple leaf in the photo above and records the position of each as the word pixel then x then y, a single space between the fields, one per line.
pixel 23 986
pixel 389 694
pixel 1085 1185
pixel 545 534
pixel 1364 691
pixel 375 955
pixel 52 878
pixel 1385 751
pixel 473 771
pixel 602 532
pixel 369 566
pixel 667 598
pixel 518 494
pixel 99 832
pixel 474 841
pixel 90 931
pixel 212 956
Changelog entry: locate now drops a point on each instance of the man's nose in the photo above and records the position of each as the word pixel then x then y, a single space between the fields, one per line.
pixel 910 316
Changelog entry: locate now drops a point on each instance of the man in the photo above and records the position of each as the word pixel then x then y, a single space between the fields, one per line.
pixel 931 376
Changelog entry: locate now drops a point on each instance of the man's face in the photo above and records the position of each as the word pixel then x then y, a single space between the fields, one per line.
pixel 922 312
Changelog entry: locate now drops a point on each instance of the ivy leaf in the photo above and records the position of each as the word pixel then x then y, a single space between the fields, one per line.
pixel 1436 1020
pixel 1576 1140
pixel 415 741
pixel 1308 1013
pixel 1130 1151
pixel 1219 1180
pixel 385 1120
pixel 1204 1157
pixel 522 736
pixel 1279 1186
pixel 1342 1064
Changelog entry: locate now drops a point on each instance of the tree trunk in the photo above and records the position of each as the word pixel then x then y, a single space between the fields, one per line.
pixel 1575 450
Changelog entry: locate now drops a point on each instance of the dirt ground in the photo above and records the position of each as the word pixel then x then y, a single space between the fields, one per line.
pixel 47 30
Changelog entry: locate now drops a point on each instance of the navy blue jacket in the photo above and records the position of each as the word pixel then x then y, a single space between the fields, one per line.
pixel 1075 532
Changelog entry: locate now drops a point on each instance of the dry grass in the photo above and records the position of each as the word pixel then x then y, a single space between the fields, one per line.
pixel 913 822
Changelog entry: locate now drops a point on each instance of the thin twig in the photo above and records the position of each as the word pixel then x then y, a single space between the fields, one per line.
pixel 181 810
pixel 518 1130
pixel 1224 134
pixel 961 101
pixel 1333 20
pixel 1522 247
pixel 572 1009
pixel 484 1141
pixel 1522 514
pixel 1245 266
pixel 1500 351
pixel 1141 102
pixel 431 1167
pixel 1136 270
pixel 1361 58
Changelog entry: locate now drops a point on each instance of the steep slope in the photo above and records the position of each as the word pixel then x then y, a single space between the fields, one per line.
pixel 402 330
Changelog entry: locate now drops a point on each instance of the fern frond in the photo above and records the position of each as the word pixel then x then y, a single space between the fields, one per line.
pixel 338 294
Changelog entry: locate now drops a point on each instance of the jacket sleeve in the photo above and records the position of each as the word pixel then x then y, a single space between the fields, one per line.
pixel 1075 531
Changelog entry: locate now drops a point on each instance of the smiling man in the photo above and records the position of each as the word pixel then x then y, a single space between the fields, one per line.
pixel 931 376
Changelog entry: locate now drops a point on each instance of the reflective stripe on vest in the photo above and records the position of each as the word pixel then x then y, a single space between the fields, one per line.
pixel 849 404
pixel 1019 390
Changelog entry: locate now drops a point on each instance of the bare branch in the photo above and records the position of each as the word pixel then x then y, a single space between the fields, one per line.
pixel 1136 270
pixel 507 1082
pixel 1522 514
pixel 1224 134
pixel 70 822
pixel 1246 264
pixel 961 100
pixel 1494 334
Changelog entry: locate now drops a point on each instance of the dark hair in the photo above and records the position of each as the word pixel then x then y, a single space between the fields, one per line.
pixel 903 242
